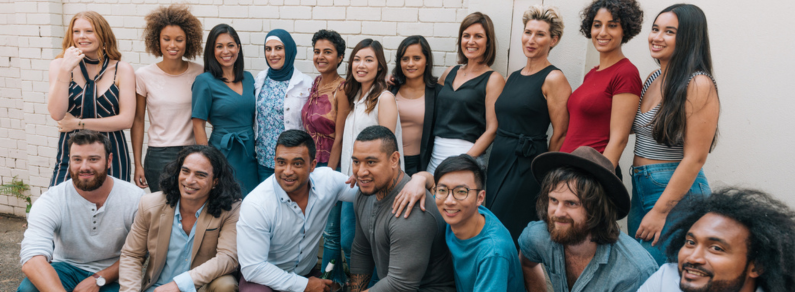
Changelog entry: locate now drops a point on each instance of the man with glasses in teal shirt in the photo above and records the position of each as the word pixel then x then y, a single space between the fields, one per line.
pixel 484 256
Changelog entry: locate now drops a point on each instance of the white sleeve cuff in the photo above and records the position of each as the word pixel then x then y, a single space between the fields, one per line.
pixel 185 282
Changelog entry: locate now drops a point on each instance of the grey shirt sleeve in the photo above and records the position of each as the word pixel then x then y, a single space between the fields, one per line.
pixel 362 261
pixel 409 251
pixel 43 221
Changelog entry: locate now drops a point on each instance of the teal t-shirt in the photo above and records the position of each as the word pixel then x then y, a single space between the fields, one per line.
pixel 487 262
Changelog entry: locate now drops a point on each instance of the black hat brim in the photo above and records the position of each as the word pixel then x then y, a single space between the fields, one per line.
pixel 614 188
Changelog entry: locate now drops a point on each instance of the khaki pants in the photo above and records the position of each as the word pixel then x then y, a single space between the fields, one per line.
pixel 225 283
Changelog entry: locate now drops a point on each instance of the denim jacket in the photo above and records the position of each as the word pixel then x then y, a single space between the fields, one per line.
pixel 621 266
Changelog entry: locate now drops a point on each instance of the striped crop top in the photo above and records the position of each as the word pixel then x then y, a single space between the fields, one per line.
pixel 645 145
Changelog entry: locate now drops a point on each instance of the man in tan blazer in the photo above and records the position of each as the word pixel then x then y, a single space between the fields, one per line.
pixel 188 229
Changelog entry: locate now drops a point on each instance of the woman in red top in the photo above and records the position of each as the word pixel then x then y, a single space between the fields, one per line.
pixel 602 109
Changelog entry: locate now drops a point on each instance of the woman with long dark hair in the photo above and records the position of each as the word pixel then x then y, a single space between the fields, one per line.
pixel 601 110
pixel 91 88
pixel 224 96
pixel 281 91
pixel 533 98
pixel 676 124
pixel 466 122
pixel 370 104
pixel 164 89
pixel 415 91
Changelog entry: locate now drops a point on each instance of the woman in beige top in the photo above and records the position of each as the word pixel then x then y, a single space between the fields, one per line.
pixel 415 92
pixel 164 89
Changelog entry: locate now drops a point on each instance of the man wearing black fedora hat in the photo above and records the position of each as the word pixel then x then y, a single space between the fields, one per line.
pixel 579 241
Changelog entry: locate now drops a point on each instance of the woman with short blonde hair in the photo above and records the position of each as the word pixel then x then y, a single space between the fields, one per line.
pixel 91 88
pixel 533 98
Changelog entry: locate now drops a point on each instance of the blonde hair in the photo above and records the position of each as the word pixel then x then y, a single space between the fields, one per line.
pixel 548 14
pixel 103 32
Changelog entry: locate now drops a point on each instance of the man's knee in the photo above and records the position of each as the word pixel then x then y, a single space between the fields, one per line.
pixel 27 286
pixel 246 286
pixel 223 284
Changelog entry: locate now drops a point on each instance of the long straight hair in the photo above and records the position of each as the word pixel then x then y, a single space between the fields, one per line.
pixel 211 64
pixel 379 84
pixel 102 30
pixel 427 75
pixel 691 54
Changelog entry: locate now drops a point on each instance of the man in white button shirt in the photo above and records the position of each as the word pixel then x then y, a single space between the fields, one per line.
pixel 282 219
pixel 87 218
pixel 736 240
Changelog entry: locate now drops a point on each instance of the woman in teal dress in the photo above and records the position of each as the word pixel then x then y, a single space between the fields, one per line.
pixel 224 96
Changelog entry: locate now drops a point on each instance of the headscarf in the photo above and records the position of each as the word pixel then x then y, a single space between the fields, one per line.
pixel 286 72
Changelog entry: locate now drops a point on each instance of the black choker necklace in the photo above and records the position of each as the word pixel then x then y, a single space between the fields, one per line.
pixel 90 61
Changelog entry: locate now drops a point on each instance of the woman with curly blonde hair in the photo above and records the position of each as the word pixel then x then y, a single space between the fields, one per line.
pixel 164 88
pixel 91 88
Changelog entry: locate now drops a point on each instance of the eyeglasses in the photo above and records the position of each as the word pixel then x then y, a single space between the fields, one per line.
pixel 459 193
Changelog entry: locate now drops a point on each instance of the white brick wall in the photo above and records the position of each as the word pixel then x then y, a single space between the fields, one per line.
pixel 32 31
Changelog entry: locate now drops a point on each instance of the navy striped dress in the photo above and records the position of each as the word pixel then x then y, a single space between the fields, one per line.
pixel 86 103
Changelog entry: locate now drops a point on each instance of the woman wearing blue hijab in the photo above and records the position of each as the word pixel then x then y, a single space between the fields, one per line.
pixel 281 92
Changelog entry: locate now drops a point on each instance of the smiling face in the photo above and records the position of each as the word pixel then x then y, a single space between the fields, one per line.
pixel 196 178
pixel 373 168
pixel 365 65
pixel 85 36
pixel 88 166
pixel 606 33
pixel 274 53
pixel 293 167
pixel 413 62
pixel 226 50
pixel 474 41
pixel 662 39
pixel 172 42
pixel 536 40
pixel 566 216
pixel 325 56
pixel 715 256
pixel 458 212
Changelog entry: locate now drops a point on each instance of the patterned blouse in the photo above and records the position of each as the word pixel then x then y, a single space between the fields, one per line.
pixel 319 115
pixel 270 119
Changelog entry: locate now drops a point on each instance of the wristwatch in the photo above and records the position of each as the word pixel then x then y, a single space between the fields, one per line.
pixel 100 280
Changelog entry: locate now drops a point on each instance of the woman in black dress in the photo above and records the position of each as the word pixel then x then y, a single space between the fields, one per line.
pixel 532 98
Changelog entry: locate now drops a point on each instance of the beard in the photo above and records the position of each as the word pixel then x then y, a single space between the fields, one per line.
pixel 93 184
pixel 575 234
pixel 733 285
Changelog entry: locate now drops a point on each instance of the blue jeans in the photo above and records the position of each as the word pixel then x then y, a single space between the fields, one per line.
pixel 70 276
pixel 648 184
pixel 338 237
pixel 264 172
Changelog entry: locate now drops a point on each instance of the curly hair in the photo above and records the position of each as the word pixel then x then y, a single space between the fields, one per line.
pixel 335 38
pixel 222 196
pixel 627 12
pixel 602 212
pixel 770 223
pixel 175 14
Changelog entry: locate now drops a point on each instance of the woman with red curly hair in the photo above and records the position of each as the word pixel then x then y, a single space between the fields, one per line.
pixel 164 88
pixel 91 88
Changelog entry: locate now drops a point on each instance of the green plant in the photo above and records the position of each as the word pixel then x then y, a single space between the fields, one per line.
pixel 17 188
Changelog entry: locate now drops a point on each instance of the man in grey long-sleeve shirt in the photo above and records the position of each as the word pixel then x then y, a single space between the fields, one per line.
pixel 87 217
pixel 409 254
